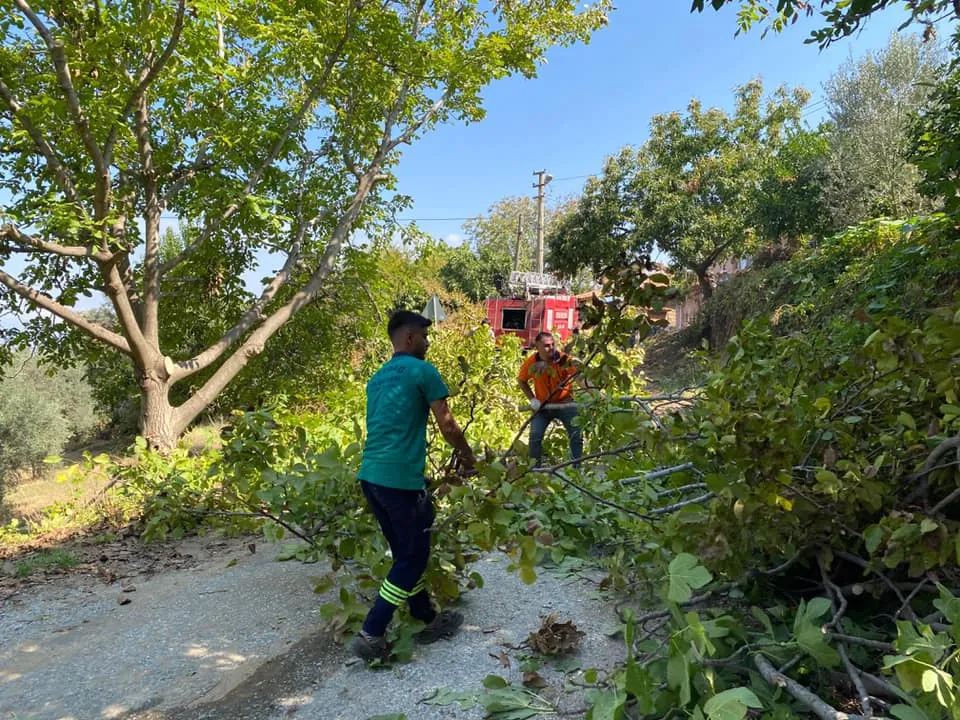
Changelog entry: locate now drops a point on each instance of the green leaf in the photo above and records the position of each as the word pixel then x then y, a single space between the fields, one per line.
pixel 731 704
pixel 908 712
pixel 528 575
pixel 686 574
pixel 494 682
pixel 467 699
pixel 872 537
pixel 907 420
pixel 809 635
pixel 607 705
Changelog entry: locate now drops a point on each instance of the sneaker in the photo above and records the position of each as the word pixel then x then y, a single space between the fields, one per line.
pixel 369 648
pixel 443 626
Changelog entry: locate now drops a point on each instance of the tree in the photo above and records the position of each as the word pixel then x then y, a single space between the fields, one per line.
pixel 264 125
pixel 841 18
pixel 871 103
pixel 600 226
pixel 935 138
pixel 792 202
pixel 40 411
pixel 496 243
pixel 690 190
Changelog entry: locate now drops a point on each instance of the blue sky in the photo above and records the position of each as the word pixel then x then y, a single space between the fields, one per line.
pixel 589 100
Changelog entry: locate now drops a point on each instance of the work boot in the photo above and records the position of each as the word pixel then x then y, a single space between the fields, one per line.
pixel 443 626
pixel 369 648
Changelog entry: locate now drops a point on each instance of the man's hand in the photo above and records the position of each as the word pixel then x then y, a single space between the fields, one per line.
pixel 535 404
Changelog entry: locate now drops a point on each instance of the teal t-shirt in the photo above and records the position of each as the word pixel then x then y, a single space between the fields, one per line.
pixel 398 402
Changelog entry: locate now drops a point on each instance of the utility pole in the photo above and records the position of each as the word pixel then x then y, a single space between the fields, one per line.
pixel 543 178
pixel 516 249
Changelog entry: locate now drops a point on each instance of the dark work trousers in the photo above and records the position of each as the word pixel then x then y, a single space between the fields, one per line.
pixel 405 517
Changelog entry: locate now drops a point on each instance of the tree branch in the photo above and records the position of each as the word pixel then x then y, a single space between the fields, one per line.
pixel 74 318
pixel 59 56
pixel 254 344
pixel 25 240
pixel 254 313
pixel 147 75
pixel 151 216
pixel 821 709
pixel 599 499
pixel 292 124
pixel 53 162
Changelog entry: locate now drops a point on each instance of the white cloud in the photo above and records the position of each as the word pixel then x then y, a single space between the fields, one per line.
pixel 453 239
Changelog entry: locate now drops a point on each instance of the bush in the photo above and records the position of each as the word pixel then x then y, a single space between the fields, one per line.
pixel 41 410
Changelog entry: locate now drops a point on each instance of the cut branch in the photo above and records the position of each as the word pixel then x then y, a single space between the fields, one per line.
pixel 74 318
pixel 819 708
pixel 597 498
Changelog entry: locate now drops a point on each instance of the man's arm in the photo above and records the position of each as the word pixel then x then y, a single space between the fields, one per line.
pixel 452 433
pixel 525 387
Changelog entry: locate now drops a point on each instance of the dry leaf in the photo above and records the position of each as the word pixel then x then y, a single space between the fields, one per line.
pixel 533 679
pixel 554 637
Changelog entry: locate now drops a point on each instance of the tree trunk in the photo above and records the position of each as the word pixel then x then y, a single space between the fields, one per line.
pixel 706 292
pixel 706 289
pixel 158 418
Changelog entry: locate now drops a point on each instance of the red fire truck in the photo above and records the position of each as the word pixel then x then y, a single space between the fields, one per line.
pixel 534 302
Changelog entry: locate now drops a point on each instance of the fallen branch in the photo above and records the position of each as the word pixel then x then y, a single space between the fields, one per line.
pixel 592 456
pixel 866 642
pixel 886 581
pixel 682 504
pixel 663 472
pixel 597 498
pixel 854 674
pixel 821 709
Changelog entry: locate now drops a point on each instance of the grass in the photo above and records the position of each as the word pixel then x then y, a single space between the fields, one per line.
pixel 27 499
pixel 56 559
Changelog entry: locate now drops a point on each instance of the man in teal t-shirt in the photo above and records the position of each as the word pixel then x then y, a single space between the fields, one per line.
pixel 400 396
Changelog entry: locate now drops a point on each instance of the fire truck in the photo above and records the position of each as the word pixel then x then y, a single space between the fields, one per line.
pixel 531 303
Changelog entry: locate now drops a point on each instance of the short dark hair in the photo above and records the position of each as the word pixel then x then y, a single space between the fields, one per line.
pixel 541 335
pixel 404 319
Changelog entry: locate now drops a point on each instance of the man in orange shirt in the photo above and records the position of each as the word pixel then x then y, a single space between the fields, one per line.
pixel 552 373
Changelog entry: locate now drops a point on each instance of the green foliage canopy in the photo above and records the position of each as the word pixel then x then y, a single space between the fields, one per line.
pixel 264 126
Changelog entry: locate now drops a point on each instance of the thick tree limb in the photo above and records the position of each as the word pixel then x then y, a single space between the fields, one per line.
pixel 253 315
pixel 146 76
pixel 44 147
pixel 28 241
pixel 151 217
pixel 820 708
pixel 74 318
pixel 254 344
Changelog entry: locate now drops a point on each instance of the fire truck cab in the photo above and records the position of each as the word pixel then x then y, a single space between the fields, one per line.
pixel 534 302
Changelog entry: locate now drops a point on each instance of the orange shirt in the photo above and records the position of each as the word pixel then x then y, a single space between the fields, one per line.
pixel 548 376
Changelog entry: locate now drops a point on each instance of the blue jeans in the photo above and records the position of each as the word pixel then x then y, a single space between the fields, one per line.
pixel 538 428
